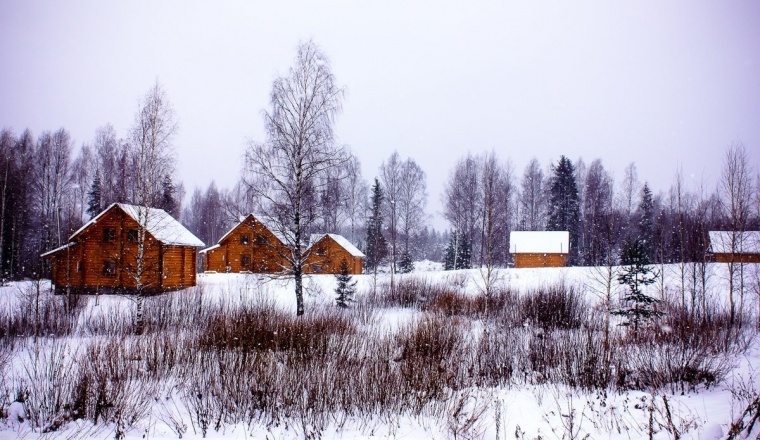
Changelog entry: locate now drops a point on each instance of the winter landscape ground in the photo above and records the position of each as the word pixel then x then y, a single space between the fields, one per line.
pixel 432 354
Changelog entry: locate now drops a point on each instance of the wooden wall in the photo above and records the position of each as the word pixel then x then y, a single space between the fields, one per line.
pixel 82 265
pixel 737 258
pixel 540 260
pixel 326 255
pixel 262 251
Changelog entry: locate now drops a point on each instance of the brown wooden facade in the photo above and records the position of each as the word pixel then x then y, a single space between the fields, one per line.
pixel 248 247
pixel 326 255
pixel 540 260
pixel 736 258
pixel 102 258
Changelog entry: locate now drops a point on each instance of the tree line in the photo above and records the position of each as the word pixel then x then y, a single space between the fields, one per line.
pixel 48 192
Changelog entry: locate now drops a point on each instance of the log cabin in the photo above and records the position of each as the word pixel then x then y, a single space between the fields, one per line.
pixel 250 246
pixel 328 251
pixel 102 256
pixel 735 247
pixel 539 248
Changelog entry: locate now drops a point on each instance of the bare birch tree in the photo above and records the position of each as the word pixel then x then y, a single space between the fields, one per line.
pixel 284 171
pixel 151 139
pixel 532 198
pixel 736 192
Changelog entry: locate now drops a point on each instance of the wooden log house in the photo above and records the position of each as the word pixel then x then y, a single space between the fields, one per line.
pixel 735 247
pixel 102 256
pixel 328 251
pixel 539 248
pixel 250 246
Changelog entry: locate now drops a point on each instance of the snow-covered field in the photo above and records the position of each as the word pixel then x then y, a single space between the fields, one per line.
pixel 152 397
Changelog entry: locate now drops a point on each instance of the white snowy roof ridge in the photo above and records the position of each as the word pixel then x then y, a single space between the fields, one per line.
pixel 726 242
pixel 60 248
pixel 341 240
pixel 539 242
pixel 258 220
pixel 203 251
pixel 162 226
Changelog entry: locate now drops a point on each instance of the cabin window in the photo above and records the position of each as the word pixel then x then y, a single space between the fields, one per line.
pixel 245 239
pixel 245 261
pixel 261 240
pixel 132 235
pixel 321 250
pixel 109 268
pixel 79 266
pixel 109 234
pixel 317 268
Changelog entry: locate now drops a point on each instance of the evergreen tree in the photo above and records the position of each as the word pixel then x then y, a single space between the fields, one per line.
pixel 637 274
pixel 346 286
pixel 94 197
pixel 377 248
pixel 646 221
pixel 405 264
pixel 450 255
pixel 168 203
pixel 458 253
pixel 564 206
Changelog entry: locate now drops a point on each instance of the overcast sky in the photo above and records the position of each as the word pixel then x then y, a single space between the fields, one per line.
pixel 664 84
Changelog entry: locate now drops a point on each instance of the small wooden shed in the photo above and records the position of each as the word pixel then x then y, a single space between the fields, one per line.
pixel 539 248
pixel 328 251
pixel 735 247
pixel 250 246
pixel 102 256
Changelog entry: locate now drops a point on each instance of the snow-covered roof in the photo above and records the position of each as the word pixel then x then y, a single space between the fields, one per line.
pixel 535 242
pixel 209 249
pixel 264 223
pixel 341 240
pixel 726 242
pixel 162 226
pixel 51 252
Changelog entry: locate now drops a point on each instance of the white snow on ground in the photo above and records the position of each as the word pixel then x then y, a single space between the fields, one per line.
pixel 547 411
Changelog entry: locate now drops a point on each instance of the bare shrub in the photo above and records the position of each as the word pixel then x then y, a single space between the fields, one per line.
pixel 557 306
pixel 433 355
pixel 683 352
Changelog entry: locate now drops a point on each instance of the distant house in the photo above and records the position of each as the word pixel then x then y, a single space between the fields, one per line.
pixel 539 248
pixel 250 246
pixel 735 247
pixel 328 251
pixel 102 255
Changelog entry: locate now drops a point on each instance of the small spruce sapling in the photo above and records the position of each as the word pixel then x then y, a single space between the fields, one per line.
pixel 346 286
pixel 637 274
pixel 405 264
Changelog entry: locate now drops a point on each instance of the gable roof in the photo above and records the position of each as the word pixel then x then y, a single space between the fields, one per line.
pixel 257 220
pixel 747 242
pixel 162 226
pixel 539 242
pixel 341 240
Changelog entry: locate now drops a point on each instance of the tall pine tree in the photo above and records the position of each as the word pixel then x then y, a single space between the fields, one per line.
pixel 168 203
pixel 564 206
pixel 646 221
pixel 94 197
pixel 377 247
pixel 637 274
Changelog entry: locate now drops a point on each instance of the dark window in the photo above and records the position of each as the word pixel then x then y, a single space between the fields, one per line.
pixel 321 250
pixel 317 268
pixel 109 268
pixel 132 235
pixel 244 239
pixel 245 261
pixel 261 240
pixel 109 234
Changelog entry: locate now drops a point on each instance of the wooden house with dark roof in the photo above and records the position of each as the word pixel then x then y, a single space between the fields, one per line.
pixel 102 256
pixel 250 246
